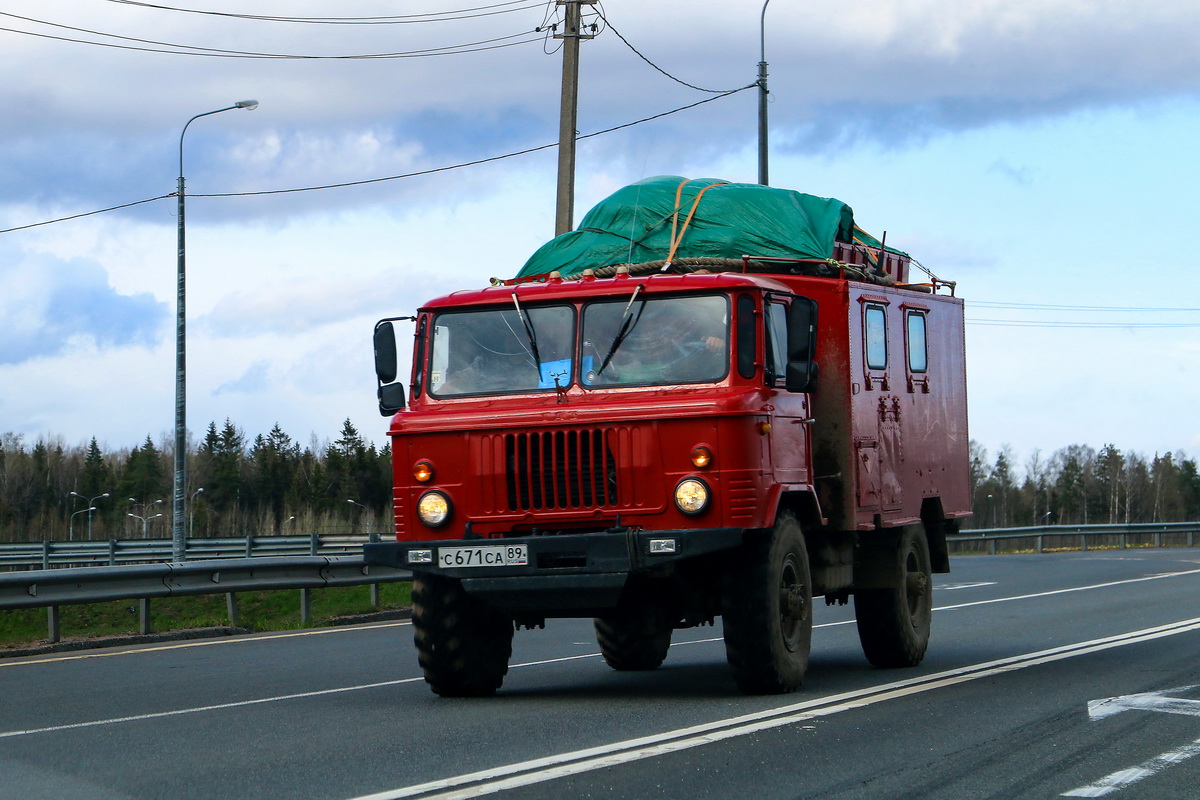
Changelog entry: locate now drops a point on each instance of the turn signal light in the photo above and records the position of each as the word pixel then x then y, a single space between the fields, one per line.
pixel 423 472
pixel 701 456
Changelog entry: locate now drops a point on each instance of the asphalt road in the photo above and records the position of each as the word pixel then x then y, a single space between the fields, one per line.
pixel 1070 674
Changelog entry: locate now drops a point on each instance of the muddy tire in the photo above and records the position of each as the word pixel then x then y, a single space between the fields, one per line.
pixel 767 610
pixel 463 645
pixel 635 636
pixel 894 624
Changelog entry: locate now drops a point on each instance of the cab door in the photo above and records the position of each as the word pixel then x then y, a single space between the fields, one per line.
pixel 880 457
pixel 791 419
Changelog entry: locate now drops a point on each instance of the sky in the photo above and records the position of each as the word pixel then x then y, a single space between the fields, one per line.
pixel 1040 153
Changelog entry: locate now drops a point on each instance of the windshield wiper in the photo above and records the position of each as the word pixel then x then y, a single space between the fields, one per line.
pixel 628 323
pixel 529 332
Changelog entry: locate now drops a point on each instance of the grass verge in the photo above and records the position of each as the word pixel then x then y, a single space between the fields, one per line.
pixel 277 610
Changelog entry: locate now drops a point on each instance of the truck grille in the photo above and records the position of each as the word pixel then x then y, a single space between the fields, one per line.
pixel 560 469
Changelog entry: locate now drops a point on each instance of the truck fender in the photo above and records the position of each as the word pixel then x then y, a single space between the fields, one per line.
pixel 800 499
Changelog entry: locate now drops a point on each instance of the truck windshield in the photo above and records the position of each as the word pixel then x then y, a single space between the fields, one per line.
pixel 674 340
pixel 489 352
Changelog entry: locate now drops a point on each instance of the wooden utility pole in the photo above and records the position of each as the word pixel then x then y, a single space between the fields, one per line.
pixel 564 216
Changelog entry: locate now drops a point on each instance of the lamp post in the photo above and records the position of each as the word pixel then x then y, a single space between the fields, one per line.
pixel 360 505
pixel 71 523
pixel 145 509
pixel 192 514
pixel 178 533
pixel 762 97
pixel 145 523
pixel 91 502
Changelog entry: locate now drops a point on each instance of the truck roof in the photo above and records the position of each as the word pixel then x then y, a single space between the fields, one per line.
pixel 617 286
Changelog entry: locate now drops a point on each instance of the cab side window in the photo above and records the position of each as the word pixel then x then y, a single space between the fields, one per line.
pixel 875 337
pixel 747 337
pixel 918 353
pixel 776 342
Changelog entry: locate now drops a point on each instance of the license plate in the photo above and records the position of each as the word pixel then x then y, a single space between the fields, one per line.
pixel 504 555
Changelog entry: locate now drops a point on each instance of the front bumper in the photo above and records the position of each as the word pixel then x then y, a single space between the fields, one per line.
pixel 564 573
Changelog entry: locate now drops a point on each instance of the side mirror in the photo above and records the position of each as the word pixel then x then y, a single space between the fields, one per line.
pixel 391 398
pixel 801 375
pixel 385 352
pixel 391 394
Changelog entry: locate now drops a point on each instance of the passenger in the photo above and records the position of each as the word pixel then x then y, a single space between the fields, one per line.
pixel 671 346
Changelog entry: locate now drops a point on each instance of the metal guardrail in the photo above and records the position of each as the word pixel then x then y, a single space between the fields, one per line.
pixel 51 588
pixel 1077 537
pixel 111 552
pixel 45 555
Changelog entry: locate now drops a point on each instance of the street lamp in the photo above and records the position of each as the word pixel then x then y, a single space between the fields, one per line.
pixel 91 502
pixel 71 523
pixel 192 514
pixel 145 509
pixel 360 505
pixel 145 523
pixel 762 97
pixel 178 538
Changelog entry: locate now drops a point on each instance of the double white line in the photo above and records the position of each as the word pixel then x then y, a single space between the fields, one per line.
pixel 538 770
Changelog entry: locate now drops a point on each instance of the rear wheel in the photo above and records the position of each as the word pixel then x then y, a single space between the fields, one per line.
pixel 767 610
pixel 894 624
pixel 463 645
pixel 636 635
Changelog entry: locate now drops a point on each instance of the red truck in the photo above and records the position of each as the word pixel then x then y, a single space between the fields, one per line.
pixel 657 444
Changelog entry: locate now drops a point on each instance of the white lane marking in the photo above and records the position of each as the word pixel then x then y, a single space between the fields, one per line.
pixel 256 702
pixel 1053 592
pixel 490 781
pixel 218 707
pixel 1122 778
pixel 946 587
pixel 1145 701
pixel 258 637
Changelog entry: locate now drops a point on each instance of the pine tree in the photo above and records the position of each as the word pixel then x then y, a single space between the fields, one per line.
pixel 274 460
pixel 143 486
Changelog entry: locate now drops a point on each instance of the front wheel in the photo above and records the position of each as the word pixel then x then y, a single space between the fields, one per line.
pixel 636 634
pixel 767 610
pixel 463 645
pixel 894 623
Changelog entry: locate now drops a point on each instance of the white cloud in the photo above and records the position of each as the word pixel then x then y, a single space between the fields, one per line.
pixel 50 305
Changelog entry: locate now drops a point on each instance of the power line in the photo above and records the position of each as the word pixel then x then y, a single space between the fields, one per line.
pixel 1020 323
pixel 656 66
pixel 1059 307
pixel 172 48
pixel 478 161
pixel 397 19
pixel 391 177
pixel 87 213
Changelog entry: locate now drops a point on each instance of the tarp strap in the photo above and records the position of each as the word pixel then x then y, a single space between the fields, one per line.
pixel 675 241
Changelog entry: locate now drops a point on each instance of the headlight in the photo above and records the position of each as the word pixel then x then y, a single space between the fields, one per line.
pixel 691 496
pixel 433 509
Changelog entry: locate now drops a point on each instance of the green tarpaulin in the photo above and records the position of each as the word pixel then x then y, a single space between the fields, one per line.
pixel 643 221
